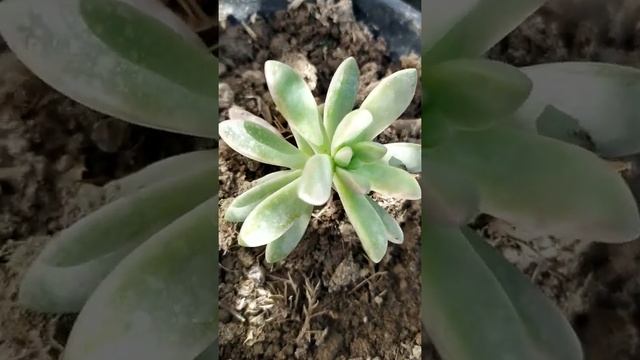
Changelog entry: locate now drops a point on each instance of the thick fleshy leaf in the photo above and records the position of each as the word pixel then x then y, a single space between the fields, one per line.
pixel 388 100
pixel 238 113
pixel 273 216
pixel 408 155
pixel 435 127
pixel 474 93
pixel 160 302
pixel 242 205
pixel 365 220
pixel 341 96
pixel 54 41
pixel 259 143
pixel 562 126
pixel 390 181
pixel 603 98
pixel 450 198
pixel 355 182
pixel 543 185
pixel 393 229
pixel 468 28
pixel 294 100
pixel 315 182
pixel 343 156
pixel 351 128
pixel 163 170
pixel 509 318
pixel 368 151
pixel 211 353
pixel 72 265
pixel 284 245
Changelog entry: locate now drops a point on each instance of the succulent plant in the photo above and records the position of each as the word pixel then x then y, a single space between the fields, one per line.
pixel 513 143
pixel 142 269
pixel 335 149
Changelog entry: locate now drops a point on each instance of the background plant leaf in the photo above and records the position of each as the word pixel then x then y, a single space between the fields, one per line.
pixel 468 28
pixel 73 264
pixel 160 302
pixel 53 40
pixel 603 98
pixel 543 185
pixel 509 318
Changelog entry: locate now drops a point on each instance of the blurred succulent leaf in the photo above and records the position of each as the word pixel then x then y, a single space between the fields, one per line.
pixel 390 181
pixel 543 185
pixel 435 126
pixel 160 302
pixel 408 155
pixel 242 205
pixel 468 28
pixel 211 353
pixel 450 198
pixel 259 143
pixel 365 220
pixel 368 151
pixel 509 317
pixel 315 181
pixel 280 248
pixel 393 230
pixel 388 100
pixel 54 42
pixel 72 265
pixel 341 96
pixel 603 98
pixel 163 170
pixel 474 93
pixel 294 100
pixel 351 128
pixel 562 126
pixel 273 216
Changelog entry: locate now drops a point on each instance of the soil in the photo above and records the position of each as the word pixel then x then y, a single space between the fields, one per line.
pixel 326 300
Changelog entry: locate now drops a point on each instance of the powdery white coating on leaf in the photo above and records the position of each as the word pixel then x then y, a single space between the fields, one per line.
pixel 341 95
pixel 315 182
pixel 273 216
pixel 50 37
pixel 259 143
pixel 389 100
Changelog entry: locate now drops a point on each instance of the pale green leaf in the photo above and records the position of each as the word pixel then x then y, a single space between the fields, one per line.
pixel 509 318
pixel 343 156
pixel 390 181
pixel 393 230
pixel 259 143
pixel 54 41
pixel 475 93
pixel 388 100
pixel 160 302
pixel 543 185
pixel 294 100
pixel 603 98
pixel 315 182
pixel 163 170
pixel 73 264
pixel 562 126
pixel 242 205
pixel 365 220
pixel 284 245
pixel 238 113
pixel 450 197
pixel 468 28
pixel 341 96
pixel 408 155
pixel 273 216
pixel 351 128
pixel 368 151
pixel 355 182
